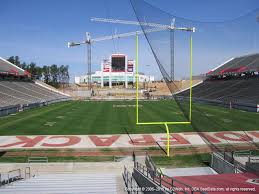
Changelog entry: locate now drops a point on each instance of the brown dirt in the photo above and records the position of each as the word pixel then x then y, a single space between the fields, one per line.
pixel 122 152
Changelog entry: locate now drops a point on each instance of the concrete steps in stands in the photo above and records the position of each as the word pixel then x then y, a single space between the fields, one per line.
pixel 67 183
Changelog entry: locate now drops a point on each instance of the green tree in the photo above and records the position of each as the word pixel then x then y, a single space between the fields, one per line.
pixel 11 59
pixel 46 74
pixel 24 66
pixel 32 68
pixel 17 61
pixel 54 74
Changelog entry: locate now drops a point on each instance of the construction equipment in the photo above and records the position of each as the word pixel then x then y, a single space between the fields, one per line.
pixel 154 28
pixel 162 27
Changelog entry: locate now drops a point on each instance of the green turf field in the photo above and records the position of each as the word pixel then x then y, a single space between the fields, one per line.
pixel 115 117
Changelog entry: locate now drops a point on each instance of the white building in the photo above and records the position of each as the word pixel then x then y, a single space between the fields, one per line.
pixel 118 69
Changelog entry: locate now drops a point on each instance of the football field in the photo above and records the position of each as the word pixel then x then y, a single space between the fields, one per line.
pixel 119 117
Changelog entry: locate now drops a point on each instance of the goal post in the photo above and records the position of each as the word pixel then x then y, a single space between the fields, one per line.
pixel 165 123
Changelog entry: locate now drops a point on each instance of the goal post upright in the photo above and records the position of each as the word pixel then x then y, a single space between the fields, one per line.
pixel 190 111
pixel 137 77
pixel 168 122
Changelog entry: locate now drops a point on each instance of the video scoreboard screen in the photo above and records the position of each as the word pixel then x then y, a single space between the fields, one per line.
pixel 118 63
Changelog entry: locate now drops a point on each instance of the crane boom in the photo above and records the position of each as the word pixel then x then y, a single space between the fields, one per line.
pixel 116 21
pixel 124 35
pixel 115 36
pixel 154 28
pixel 155 25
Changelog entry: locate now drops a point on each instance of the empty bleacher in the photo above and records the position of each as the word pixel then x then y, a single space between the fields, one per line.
pixel 19 92
pixel 236 81
pixel 247 63
pixel 65 183
pixel 24 93
pixel 243 90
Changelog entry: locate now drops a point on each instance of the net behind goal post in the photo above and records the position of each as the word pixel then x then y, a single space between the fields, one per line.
pixel 162 44
pixel 215 44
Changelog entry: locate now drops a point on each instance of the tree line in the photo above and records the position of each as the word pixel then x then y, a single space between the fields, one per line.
pixel 54 75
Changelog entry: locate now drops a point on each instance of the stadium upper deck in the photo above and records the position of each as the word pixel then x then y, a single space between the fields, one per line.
pixel 238 65
pixel 235 81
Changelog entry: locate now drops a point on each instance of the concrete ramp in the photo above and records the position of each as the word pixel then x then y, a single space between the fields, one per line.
pixel 174 172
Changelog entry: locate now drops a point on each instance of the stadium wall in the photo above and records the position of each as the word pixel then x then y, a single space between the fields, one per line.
pixel 4 111
pixel 236 105
pixel 8 110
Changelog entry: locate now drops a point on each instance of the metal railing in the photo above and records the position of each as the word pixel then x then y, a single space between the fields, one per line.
pixel 27 172
pixel 243 153
pixel 252 157
pixel 10 178
pixel 118 158
pixel 223 164
pixel 14 175
pixel 38 159
pixel 150 163
pixel 167 183
pixel 132 186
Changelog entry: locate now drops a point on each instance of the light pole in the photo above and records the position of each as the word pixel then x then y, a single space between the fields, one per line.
pixel 88 42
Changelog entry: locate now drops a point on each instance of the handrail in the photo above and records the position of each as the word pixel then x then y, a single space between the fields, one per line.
pixel 11 177
pixel 28 172
pixel 38 159
pixel 11 171
pixel 151 162
pixel 243 153
pixel 236 165
pixel 132 186
pixel 158 177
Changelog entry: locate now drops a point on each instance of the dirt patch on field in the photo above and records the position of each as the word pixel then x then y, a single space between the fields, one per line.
pixel 120 152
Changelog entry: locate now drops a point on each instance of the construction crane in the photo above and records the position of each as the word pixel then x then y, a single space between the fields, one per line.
pixel 89 40
pixel 170 27
pixel 155 25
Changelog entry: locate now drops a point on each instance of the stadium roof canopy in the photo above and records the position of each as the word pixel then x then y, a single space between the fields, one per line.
pixel 242 64
pixel 8 68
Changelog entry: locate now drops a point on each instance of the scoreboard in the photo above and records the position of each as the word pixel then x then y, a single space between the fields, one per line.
pixel 118 63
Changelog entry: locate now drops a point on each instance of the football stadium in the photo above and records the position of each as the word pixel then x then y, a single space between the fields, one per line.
pixel 159 97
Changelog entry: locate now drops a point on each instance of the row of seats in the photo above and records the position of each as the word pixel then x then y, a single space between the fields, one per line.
pixel 20 93
pixel 239 65
pixel 236 90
